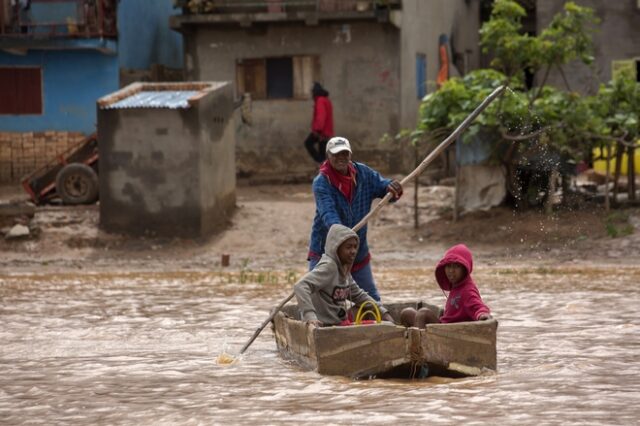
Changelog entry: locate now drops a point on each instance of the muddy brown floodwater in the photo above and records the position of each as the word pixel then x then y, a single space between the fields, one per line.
pixel 140 349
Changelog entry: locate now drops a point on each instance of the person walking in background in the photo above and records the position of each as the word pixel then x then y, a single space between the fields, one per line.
pixel 343 191
pixel 321 124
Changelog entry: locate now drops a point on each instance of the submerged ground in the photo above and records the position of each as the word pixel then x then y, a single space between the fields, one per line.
pixel 102 329
pixel 140 348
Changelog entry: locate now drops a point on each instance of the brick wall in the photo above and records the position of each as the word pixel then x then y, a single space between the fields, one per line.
pixel 23 153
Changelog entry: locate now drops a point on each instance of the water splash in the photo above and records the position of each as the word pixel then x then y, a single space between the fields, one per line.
pixel 225 358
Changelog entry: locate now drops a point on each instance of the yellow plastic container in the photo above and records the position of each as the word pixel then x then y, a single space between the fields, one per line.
pixel 600 166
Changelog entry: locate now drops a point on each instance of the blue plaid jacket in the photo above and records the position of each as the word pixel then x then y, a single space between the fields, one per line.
pixel 332 207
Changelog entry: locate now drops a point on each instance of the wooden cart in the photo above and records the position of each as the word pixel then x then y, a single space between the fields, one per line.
pixel 72 176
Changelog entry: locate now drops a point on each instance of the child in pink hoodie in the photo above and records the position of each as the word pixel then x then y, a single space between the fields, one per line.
pixel 464 303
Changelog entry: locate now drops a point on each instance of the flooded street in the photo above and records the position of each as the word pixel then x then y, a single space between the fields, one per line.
pixel 141 348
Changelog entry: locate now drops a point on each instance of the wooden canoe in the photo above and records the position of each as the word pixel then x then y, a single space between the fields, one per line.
pixel 388 350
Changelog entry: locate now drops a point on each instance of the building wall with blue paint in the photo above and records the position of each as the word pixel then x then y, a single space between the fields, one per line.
pixel 72 81
pixel 79 64
pixel 77 72
pixel 145 37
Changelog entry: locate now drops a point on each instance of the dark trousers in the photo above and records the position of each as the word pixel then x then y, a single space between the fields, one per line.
pixel 318 154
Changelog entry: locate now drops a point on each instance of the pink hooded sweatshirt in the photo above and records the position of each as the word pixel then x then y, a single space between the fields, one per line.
pixel 464 302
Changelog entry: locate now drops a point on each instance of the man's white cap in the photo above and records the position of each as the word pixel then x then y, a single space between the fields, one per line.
pixel 337 144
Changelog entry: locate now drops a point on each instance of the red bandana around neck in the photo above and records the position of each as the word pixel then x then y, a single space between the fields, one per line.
pixel 344 183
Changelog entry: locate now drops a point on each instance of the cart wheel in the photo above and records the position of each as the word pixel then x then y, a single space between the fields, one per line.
pixel 77 183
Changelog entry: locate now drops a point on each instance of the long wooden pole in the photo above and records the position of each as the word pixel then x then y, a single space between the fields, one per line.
pixel 433 155
pixel 267 321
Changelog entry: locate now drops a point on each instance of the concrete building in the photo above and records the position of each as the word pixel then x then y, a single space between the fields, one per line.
pixel 148 50
pixel 617 42
pixel 58 57
pixel 167 159
pixel 376 58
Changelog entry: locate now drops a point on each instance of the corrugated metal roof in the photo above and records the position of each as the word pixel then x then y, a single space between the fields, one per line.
pixel 172 99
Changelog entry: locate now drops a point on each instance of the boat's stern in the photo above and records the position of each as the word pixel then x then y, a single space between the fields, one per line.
pixel 459 349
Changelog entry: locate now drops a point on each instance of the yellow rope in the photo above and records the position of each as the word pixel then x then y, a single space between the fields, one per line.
pixel 375 312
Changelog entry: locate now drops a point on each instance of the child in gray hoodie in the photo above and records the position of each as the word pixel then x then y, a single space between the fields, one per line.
pixel 324 292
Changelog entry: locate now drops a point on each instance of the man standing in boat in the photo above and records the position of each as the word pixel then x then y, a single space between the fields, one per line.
pixel 343 192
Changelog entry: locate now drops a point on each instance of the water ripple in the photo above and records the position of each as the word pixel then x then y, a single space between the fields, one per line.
pixel 141 349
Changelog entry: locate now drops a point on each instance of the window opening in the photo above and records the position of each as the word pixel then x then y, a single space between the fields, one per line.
pixel 289 77
pixel 20 90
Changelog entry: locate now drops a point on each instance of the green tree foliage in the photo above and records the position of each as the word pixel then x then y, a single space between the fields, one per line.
pixel 544 118
pixel 458 97
pixel 502 36
pixel 565 121
pixel 616 107
pixel 567 38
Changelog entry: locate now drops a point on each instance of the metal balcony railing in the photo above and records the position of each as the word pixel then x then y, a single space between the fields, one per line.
pixel 282 6
pixel 44 19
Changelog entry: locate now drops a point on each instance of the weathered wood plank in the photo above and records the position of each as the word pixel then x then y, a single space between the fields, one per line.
pixel 471 344
pixel 359 351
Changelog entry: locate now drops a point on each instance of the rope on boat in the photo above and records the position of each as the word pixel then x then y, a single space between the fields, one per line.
pixel 375 311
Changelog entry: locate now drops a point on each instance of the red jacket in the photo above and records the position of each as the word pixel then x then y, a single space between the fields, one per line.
pixel 464 302
pixel 322 116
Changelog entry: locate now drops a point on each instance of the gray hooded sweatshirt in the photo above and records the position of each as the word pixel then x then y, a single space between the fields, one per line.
pixel 323 293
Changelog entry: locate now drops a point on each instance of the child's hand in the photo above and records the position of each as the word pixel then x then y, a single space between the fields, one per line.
pixel 387 317
pixel 315 323
pixel 484 317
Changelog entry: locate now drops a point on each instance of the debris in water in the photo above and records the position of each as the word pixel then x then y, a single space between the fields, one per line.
pixel 226 359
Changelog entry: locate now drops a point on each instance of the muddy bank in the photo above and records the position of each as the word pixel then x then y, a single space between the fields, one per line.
pixel 270 230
